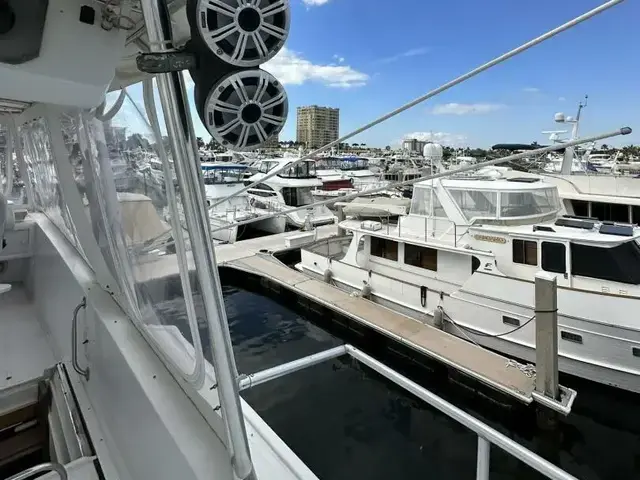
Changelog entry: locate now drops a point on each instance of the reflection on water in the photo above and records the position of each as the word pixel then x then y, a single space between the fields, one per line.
pixel 346 422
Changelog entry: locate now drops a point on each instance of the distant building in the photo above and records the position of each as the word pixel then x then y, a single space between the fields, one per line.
pixel 413 145
pixel 317 126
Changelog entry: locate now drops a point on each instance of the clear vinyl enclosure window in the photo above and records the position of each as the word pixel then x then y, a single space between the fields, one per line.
pixel 37 152
pixel 124 185
pixel 12 182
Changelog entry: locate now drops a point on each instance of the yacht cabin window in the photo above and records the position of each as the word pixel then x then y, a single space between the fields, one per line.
pixel 525 252
pixel 263 190
pixel 617 264
pixel 221 174
pixel 305 169
pixel 476 203
pixel 426 203
pixel 421 201
pixel 529 202
pixel 421 257
pixel 554 257
pixel 383 248
pixel 265 167
pixel 297 196
pixel 616 212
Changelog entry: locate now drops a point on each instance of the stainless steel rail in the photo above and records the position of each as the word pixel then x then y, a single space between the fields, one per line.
pixel 486 435
pixel 179 125
pixel 74 340
pixel 43 467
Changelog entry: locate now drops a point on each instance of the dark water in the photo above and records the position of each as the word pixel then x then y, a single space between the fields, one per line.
pixel 346 422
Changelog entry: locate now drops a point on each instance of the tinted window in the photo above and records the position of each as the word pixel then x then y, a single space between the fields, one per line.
pixel 383 248
pixel 580 208
pixel 525 252
pixel 553 257
pixel 421 257
pixel 263 190
pixel 610 211
pixel 618 264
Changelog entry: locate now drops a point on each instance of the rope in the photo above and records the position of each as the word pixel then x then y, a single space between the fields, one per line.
pixel 497 335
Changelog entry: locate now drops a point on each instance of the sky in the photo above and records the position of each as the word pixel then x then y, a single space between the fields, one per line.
pixel 368 57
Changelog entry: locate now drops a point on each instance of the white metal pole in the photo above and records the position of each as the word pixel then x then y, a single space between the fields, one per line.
pixel 187 164
pixel 436 91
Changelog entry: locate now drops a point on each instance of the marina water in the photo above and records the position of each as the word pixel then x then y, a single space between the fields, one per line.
pixel 346 422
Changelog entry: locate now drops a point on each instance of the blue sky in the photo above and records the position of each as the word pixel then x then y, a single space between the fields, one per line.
pixel 370 56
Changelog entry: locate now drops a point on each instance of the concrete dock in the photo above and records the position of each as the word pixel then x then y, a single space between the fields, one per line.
pixel 255 256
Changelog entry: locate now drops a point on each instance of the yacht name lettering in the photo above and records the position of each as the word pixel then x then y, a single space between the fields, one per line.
pixel 490 238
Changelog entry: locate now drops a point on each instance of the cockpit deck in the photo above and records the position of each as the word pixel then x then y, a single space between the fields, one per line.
pixel 24 350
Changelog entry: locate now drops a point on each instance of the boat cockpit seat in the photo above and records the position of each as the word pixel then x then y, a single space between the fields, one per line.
pixel 6 223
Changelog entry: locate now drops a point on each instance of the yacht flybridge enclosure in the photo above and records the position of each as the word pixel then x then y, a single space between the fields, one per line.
pixel 65 52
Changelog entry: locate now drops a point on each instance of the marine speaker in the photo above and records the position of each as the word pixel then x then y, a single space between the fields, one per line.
pixel 243 33
pixel 243 109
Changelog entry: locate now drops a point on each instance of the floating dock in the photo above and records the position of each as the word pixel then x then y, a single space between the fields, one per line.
pixel 255 256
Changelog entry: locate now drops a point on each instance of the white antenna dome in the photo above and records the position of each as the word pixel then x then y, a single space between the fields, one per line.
pixel 559 117
pixel 432 151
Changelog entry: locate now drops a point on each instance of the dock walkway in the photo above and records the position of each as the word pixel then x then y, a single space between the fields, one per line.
pixel 254 256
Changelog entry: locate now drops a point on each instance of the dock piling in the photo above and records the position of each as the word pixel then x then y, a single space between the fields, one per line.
pixel 546 311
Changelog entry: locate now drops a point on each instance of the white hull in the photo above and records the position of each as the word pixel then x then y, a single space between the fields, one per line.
pixel 271 225
pixel 228 235
pixel 604 355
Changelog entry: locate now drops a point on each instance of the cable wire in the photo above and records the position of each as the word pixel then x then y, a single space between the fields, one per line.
pixel 432 93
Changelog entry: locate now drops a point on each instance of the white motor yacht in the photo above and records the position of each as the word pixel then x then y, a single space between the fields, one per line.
pixel 472 247
pixel 290 188
pixel 224 180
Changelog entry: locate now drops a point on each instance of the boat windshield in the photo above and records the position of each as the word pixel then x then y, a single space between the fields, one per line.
pixel 531 202
pixel 354 164
pixel 216 175
pixel 306 169
pixel 476 203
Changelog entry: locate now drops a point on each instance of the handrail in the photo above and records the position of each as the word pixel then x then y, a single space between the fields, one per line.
pixel 486 434
pixel 43 467
pixel 74 340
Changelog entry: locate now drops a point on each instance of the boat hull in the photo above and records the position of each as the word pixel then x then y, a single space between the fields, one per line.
pixel 604 353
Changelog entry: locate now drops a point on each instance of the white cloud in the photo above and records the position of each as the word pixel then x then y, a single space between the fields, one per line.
pixel 443 138
pixel 314 3
pixel 531 89
pixel 414 52
pixel 466 108
pixel 338 58
pixel 291 69
pixel 562 99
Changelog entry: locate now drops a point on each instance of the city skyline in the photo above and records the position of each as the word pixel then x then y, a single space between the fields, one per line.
pixel 364 75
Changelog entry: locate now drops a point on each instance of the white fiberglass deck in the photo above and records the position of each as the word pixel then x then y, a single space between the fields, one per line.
pixel 24 349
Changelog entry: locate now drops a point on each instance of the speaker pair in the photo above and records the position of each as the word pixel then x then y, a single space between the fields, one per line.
pixel 240 105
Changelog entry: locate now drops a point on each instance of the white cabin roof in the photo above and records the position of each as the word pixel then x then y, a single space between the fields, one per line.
pixel 474 183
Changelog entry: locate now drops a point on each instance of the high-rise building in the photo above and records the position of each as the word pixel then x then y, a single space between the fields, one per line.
pixel 413 145
pixel 317 126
